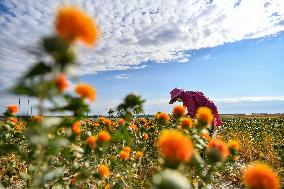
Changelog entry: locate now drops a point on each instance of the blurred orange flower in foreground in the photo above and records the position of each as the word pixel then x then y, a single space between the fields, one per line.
pixel 175 146
pixel 104 136
pixel 86 91
pixel 72 24
pixel 103 171
pixel 61 82
pixel 260 176
pixel 91 141
pixel 37 119
pixel 163 117
pixel 234 144
pixel 13 109
pixel 220 147
pixel 204 114
pixel 179 111
pixel 185 122
pixel 76 128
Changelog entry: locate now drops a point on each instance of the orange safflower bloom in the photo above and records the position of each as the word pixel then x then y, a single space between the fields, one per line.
pixel 108 186
pixel 179 111
pixel 91 141
pixel 96 124
pixel 61 82
pixel 234 144
pixel 104 136
pixel 145 136
pixel 175 146
pixel 163 117
pixel 102 119
pixel 72 24
pixel 37 119
pixel 19 127
pixel 185 122
pixel 204 114
pixel 143 120
pixel 105 121
pixel 134 128
pixel 12 120
pixel 13 109
pixel 76 128
pixel 139 154
pixel 220 147
pixel 260 176
pixel 124 155
pixel 86 91
pixel 127 149
pixel 157 115
pixel 121 121
pixel 103 171
pixel 108 122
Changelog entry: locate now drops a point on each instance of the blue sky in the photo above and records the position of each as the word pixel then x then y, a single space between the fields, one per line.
pixel 230 50
pixel 249 68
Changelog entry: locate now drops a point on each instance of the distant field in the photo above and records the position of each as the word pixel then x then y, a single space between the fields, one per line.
pixel 252 116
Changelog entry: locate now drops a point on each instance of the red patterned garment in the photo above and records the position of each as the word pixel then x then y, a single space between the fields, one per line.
pixel 192 100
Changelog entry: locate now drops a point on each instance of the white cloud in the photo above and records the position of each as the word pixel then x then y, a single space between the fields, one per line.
pixel 136 31
pixel 122 76
pixel 248 99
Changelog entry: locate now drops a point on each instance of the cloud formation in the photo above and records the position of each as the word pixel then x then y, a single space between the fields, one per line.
pixel 135 31
pixel 249 99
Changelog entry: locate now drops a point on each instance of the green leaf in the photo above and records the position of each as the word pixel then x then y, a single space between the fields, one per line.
pixel 55 44
pixel 39 69
pixel 22 89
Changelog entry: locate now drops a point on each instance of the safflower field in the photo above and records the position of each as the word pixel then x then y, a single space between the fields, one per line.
pixel 126 150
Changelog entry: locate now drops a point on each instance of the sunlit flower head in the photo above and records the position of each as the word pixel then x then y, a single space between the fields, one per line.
pixel 76 128
pixel 174 146
pixel 162 116
pixel 91 141
pixel 124 155
pixel 260 176
pixel 19 126
pixel 103 171
pixel 145 136
pixel 204 114
pixel 37 119
pixel 134 128
pixel 61 82
pixel 234 144
pixel 13 109
pixel 185 122
pixel 179 111
pixel 219 147
pixel 105 121
pixel 12 120
pixel 127 149
pixel 143 120
pixel 121 121
pixel 86 91
pixel 104 136
pixel 72 24
pixel 139 154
